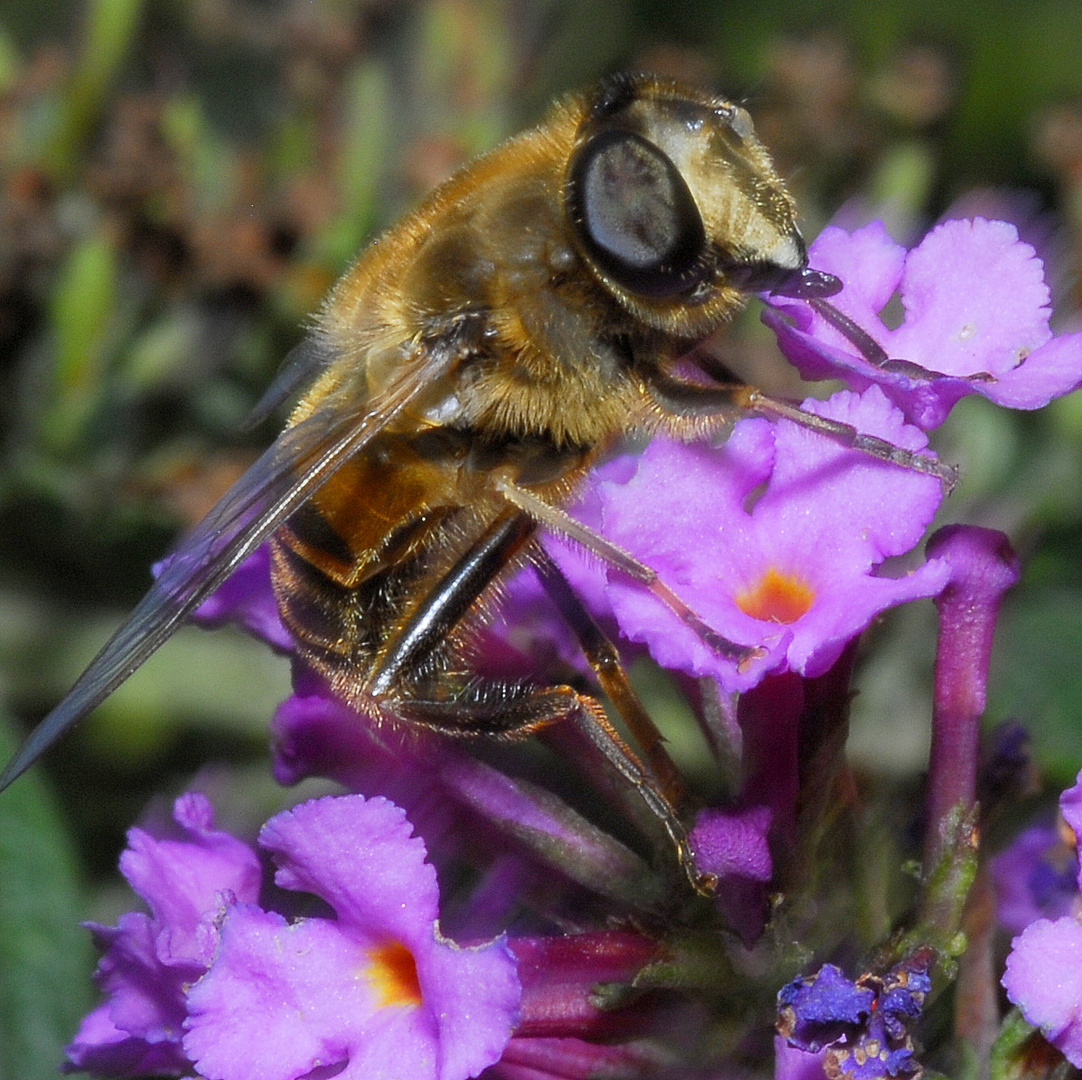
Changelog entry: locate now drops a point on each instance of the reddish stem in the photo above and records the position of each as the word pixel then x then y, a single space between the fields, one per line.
pixel 983 566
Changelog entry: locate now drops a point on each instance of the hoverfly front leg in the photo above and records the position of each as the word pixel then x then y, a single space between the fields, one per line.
pixel 697 401
pixel 872 351
pixel 849 436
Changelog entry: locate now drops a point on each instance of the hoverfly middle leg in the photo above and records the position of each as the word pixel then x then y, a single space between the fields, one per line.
pixel 553 517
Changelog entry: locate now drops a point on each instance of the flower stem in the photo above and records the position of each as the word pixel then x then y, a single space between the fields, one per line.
pixel 983 567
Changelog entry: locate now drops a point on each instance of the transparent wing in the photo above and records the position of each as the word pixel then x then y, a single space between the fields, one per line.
pixel 308 359
pixel 286 475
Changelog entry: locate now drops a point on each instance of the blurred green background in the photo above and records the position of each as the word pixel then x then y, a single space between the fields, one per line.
pixel 180 182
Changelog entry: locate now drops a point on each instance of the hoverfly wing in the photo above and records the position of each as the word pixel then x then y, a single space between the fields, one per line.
pixel 281 480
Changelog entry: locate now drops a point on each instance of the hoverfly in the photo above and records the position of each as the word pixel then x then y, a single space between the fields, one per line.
pixel 461 379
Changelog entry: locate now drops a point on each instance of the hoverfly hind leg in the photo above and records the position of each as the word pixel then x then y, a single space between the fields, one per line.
pixel 516 710
pixel 408 688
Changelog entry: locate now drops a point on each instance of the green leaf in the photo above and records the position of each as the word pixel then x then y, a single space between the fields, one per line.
pixel 107 33
pixel 83 307
pixel 45 959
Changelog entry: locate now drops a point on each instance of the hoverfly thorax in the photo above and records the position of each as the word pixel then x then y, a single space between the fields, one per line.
pixel 677 207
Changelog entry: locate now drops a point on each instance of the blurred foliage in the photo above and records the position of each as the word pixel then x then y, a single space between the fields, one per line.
pixel 44 953
pixel 181 180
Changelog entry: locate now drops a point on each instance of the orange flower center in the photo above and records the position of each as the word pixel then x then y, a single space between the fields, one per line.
pixel 776 597
pixel 393 974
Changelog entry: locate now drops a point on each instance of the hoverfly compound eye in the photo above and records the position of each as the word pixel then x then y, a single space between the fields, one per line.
pixel 634 214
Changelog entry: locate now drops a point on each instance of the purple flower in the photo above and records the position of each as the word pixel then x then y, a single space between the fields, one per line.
pixel 733 846
pixel 795 573
pixel 863 1026
pixel 1035 877
pixel 976 320
pixel 374 991
pixel 982 568
pixel 560 976
pixel 247 599
pixel 1044 968
pixel 150 960
pixel 819 1010
pixel 212 979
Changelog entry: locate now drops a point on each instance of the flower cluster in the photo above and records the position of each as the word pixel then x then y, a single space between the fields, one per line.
pixel 864 1025
pixel 555 944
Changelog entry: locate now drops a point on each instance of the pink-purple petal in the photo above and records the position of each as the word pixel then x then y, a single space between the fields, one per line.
pixel 247 600
pixel 725 476
pixel 642 618
pixel 1049 372
pixel 472 995
pixel 183 879
pixel 279 1000
pixel 307 984
pixel 869 262
pixel 803 339
pixel 683 515
pixel 845 613
pixel 148 961
pixel 145 995
pixel 975 300
pixel 1044 979
pixel 362 858
pixel 102 1048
